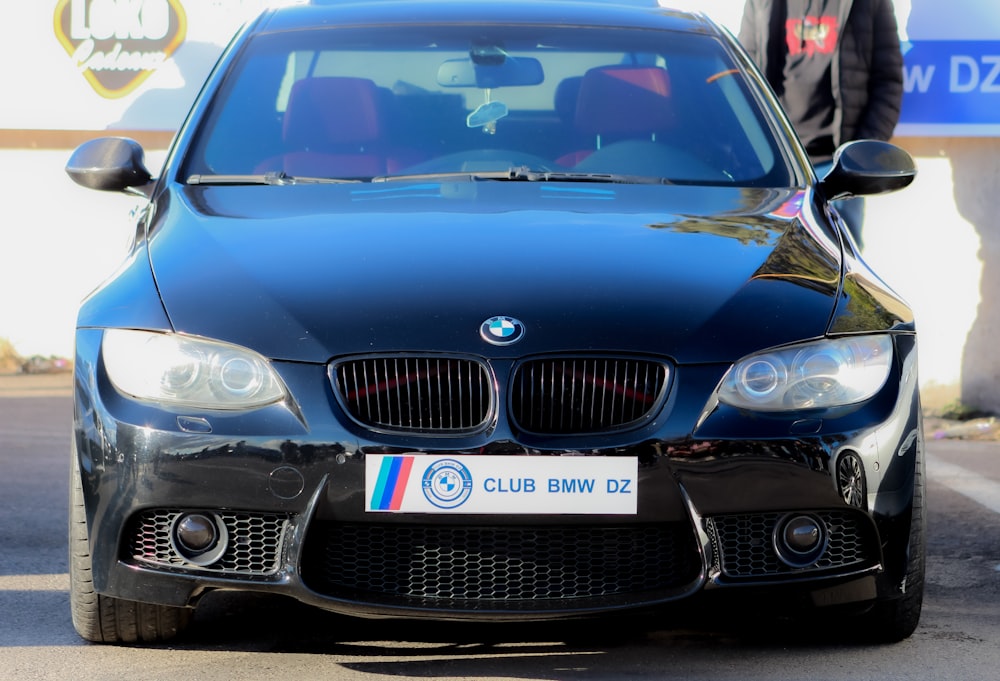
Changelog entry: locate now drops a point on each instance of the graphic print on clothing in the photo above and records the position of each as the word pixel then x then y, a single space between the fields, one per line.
pixel 812 35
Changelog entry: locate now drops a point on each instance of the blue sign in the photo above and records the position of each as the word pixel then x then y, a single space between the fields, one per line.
pixel 951 73
pixel 951 87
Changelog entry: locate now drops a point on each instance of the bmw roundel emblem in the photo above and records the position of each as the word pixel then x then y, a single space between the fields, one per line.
pixel 502 330
pixel 447 483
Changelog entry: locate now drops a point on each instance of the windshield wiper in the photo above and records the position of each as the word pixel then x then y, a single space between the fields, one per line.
pixel 274 177
pixel 448 175
pixel 526 174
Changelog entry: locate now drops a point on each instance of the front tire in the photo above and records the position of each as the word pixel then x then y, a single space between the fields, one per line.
pixel 893 620
pixel 104 619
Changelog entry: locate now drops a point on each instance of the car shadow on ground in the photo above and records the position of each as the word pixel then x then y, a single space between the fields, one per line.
pixel 246 621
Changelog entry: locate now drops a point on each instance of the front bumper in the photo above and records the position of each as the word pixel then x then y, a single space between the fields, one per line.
pixel 287 484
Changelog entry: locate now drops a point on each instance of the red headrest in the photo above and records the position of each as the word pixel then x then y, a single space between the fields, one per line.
pixel 567 95
pixel 325 112
pixel 624 99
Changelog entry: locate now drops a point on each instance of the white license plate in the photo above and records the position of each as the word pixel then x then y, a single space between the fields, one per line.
pixel 420 483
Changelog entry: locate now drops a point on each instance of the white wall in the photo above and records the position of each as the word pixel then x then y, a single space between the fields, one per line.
pixel 57 242
pixel 938 244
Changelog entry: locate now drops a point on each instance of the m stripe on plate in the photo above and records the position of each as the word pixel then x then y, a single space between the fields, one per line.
pixel 393 475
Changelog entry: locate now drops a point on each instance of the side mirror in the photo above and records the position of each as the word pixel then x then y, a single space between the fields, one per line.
pixel 866 168
pixel 111 164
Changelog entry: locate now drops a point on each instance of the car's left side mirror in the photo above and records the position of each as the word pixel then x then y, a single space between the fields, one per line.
pixel 866 168
pixel 111 164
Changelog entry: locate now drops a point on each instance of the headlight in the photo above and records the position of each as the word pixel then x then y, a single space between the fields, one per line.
pixel 179 370
pixel 827 373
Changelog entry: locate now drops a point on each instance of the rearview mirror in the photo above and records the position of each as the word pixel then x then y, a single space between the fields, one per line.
pixel 512 71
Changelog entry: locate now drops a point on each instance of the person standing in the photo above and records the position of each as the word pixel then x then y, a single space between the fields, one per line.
pixel 837 68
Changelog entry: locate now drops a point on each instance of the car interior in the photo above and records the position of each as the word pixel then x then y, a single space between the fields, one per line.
pixel 679 115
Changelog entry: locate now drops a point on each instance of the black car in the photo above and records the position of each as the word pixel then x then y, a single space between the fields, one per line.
pixel 501 310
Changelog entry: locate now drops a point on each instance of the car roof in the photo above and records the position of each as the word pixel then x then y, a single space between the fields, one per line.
pixel 602 13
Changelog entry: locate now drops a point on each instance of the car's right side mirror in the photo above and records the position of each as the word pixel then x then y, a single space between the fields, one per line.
pixel 866 168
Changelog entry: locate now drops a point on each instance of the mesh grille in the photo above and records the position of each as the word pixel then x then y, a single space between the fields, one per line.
pixel 746 550
pixel 254 542
pixel 585 395
pixel 429 394
pixel 476 567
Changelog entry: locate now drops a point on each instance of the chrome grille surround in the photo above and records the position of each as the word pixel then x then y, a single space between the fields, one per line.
pixel 586 394
pixel 500 567
pixel 255 542
pixel 417 394
pixel 744 547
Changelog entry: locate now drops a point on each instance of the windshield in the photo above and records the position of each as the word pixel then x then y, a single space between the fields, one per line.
pixel 495 102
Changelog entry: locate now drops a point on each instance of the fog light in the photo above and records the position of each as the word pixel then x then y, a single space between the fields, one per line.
pixel 800 540
pixel 196 533
pixel 199 538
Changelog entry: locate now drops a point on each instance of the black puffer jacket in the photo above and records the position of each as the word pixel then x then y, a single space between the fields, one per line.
pixel 867 75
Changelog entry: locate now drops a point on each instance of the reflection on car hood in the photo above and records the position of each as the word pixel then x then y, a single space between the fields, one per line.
pixel 311 272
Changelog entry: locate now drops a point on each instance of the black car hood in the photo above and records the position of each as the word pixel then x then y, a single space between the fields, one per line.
pixel 309 272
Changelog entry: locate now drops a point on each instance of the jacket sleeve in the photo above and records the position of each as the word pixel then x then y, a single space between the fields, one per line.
pixel 885 82
pixel 750 32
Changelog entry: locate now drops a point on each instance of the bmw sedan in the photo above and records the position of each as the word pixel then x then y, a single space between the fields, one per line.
pixel 493 310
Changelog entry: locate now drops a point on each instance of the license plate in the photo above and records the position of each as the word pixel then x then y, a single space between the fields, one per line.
pixel 421 483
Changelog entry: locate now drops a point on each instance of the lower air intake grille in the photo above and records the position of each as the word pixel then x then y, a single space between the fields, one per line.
pixel 746 549
pixel 501 567
pixel 415 394
pixel 254 546
pixel 580 395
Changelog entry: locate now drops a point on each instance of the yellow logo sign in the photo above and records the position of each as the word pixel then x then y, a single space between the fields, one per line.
pixel 117 44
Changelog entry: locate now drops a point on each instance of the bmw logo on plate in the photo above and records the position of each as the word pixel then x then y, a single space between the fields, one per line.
pixel 447 483
pixel 501 330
